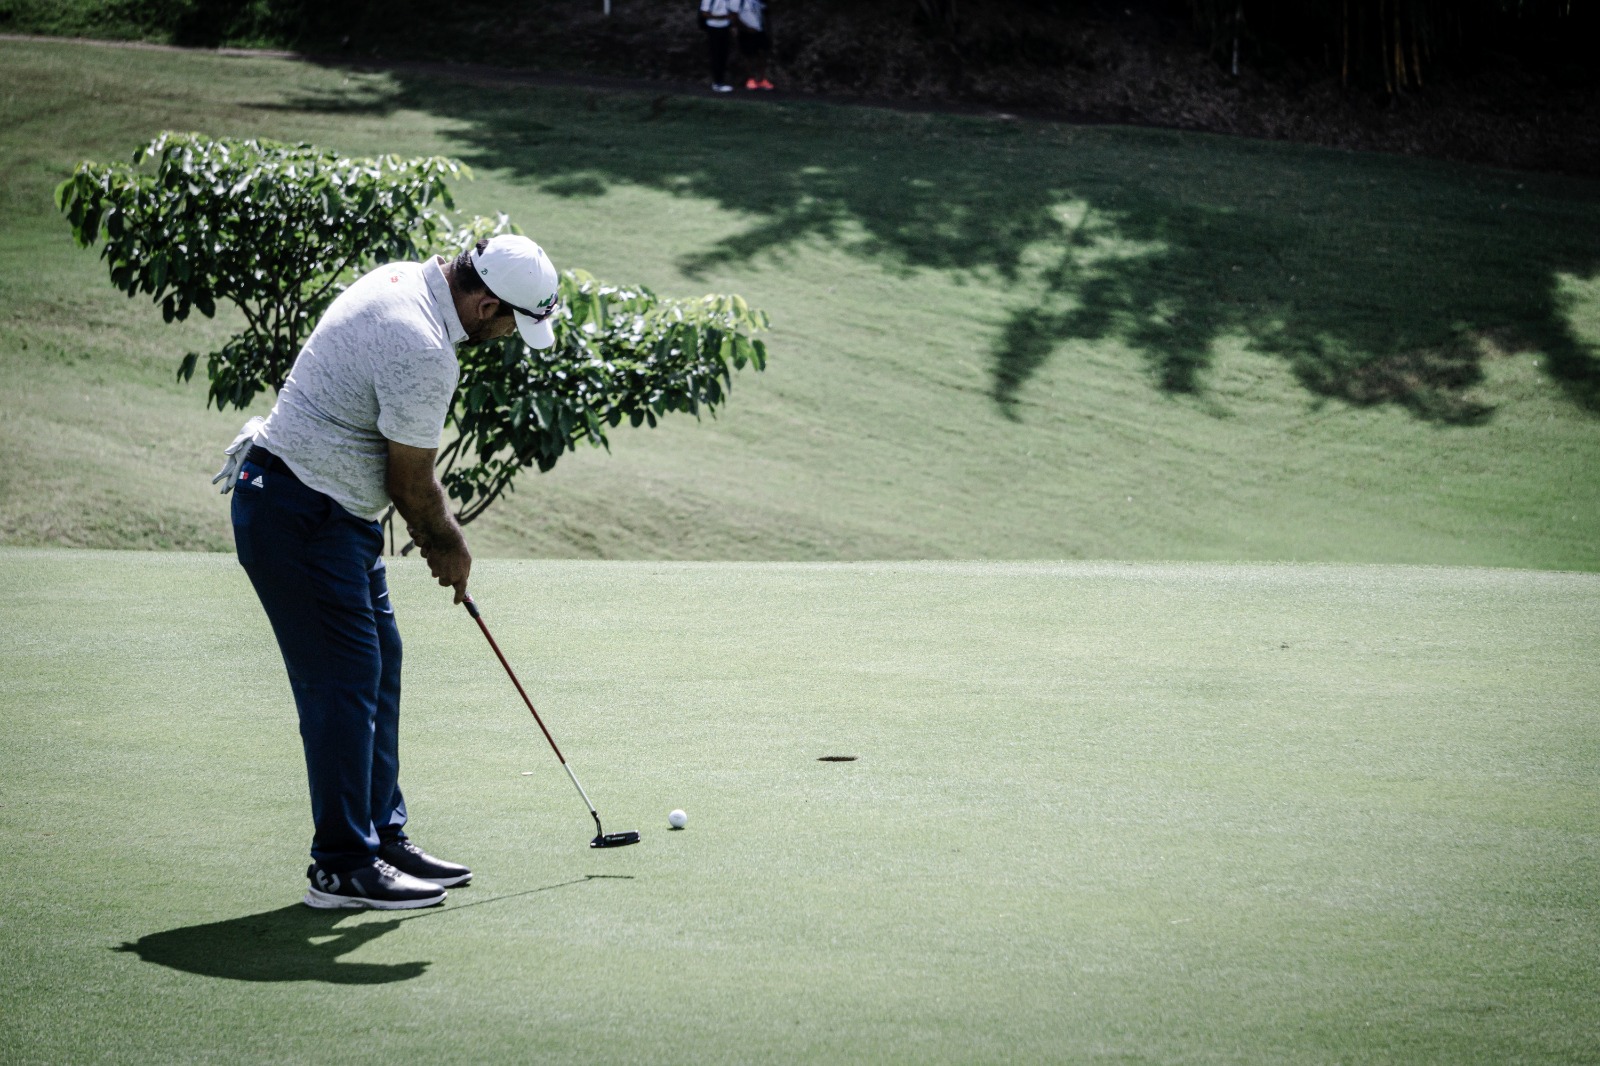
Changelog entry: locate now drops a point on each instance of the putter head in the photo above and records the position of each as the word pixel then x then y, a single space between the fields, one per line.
pixel 614 840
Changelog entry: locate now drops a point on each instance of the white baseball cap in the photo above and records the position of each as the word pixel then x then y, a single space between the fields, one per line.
pixel 521 276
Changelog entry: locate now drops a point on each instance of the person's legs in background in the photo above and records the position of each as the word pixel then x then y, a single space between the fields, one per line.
pixel 720 40
pixel 754 48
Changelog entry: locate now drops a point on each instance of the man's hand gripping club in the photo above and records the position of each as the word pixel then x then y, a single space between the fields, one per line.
pixel 421 501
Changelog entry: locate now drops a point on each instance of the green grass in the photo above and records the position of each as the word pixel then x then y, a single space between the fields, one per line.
pixel 1144 813
pixel 992 339
pixel 1166 812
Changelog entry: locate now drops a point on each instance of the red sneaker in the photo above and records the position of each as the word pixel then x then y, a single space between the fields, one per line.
pixel 763 84
pixel 751 83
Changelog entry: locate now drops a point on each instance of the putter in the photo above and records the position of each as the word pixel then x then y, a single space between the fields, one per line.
pixel 602 838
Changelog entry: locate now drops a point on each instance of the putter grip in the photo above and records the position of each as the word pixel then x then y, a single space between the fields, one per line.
pixel 471 607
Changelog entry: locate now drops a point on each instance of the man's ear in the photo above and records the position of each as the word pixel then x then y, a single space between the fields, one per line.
pixel 486 304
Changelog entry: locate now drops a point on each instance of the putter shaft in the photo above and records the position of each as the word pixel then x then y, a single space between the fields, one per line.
pixel 472 609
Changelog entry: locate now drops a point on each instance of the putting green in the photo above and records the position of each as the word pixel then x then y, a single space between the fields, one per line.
pixel 1099 811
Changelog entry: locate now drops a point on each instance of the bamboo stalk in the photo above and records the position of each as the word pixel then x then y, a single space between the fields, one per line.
pixel 1383 51
pixel 1238 23
pixel 1416 55
pixel 1399 50
pixel 1344 70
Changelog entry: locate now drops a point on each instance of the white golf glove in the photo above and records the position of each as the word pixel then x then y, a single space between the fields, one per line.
pixel 236 453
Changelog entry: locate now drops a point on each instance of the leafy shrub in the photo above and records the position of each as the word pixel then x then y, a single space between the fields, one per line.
pixel 279 230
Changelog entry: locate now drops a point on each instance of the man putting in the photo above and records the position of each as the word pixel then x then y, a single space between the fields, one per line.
pixel 356 427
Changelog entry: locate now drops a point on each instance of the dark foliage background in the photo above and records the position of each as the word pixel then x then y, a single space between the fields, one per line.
pixel 1509 82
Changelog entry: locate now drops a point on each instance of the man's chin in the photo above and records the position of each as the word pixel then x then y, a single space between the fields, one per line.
pixel 483 335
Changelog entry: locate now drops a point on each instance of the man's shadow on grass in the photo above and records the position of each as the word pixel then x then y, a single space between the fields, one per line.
pixel 293 943
pixel 297 943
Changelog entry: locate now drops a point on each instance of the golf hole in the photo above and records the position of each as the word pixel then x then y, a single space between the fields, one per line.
pixel 837 758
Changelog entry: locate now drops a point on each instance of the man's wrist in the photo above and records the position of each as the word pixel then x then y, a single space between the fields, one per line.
pixel 446 540
pixel 434 528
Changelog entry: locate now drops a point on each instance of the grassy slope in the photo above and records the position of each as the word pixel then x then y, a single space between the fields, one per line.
pixel 1138 812
pixel 964 309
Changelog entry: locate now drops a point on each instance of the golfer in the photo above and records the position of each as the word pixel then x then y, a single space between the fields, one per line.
pixel 356 427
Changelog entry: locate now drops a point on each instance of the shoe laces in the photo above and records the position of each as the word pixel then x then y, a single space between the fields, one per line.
pixel 385 870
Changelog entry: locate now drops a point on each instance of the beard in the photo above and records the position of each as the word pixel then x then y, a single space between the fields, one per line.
pixel 490 329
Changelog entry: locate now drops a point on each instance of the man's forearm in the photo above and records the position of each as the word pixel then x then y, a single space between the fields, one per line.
pixel 420 499
pixel 427 515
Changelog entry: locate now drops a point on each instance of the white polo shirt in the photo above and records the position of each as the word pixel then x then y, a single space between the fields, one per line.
pixel 717 12
pixel 380 366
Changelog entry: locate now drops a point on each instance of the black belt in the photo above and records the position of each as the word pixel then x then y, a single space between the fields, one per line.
pixel 267 461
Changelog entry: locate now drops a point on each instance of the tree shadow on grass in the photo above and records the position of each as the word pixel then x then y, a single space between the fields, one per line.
pixel 294 943
pixel 1376 279
pixel 1350 318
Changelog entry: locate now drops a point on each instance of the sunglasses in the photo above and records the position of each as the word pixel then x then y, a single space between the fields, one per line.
pixel 537 316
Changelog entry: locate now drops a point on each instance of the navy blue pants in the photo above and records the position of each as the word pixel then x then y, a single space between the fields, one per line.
pixel 720 40
pixel 318 570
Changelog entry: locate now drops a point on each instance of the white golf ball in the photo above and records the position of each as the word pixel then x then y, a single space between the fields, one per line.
pixel 677 819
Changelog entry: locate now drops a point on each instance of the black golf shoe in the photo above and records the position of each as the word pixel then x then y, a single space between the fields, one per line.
pixel 379 886
pixel 410 859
